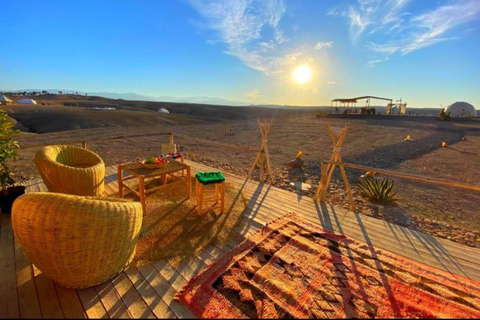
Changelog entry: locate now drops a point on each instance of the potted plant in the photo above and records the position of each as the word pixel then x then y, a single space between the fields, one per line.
pixel 9 192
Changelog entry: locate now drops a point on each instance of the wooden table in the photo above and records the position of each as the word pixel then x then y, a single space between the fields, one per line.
pixel 136 170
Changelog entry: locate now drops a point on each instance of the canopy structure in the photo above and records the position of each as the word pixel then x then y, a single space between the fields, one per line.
pixel 5 100
pixel 461 109
pixel 342 105
pixel 27 101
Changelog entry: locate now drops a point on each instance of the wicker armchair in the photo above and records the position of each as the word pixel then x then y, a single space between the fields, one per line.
pixel 71 170
pixel 77 241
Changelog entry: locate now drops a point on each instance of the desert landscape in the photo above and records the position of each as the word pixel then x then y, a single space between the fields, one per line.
pixel 262 159
pixel 227 137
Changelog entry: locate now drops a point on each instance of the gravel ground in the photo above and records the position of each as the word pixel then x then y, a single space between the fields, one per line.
pixel 445 212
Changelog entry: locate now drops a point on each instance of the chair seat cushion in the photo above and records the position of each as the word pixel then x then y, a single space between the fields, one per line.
pixel 210 177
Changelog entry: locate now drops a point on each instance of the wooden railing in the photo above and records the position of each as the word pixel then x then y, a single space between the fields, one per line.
pixel 409 176
pixel 332 164
pixel 84 141
pixel 139 135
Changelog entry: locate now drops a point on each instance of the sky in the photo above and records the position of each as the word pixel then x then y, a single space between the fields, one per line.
pixel 426 52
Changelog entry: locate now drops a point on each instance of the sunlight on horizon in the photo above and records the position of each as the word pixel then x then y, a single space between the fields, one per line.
pixel 302 74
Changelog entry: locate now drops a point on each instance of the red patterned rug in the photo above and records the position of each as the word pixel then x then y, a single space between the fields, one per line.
pixel 289 269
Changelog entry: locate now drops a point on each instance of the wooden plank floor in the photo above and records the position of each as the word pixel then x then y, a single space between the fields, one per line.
pixel 147 290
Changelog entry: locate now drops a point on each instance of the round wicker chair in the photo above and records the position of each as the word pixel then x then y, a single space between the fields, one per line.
pixel 77 241
pixel 71 170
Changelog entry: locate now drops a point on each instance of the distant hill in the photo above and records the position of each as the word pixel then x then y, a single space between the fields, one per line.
pixel 71 111
pixel 164 98
pixel 212 112
pixel 136 96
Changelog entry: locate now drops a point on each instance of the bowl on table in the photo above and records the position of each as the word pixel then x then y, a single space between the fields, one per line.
pixel 155 164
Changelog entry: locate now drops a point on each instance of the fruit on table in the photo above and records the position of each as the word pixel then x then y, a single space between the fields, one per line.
pixel 155 160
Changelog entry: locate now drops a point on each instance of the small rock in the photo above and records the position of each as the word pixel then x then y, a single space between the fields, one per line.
pixel 301 185
pixel 294 164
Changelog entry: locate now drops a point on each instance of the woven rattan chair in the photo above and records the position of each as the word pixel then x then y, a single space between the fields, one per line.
pixel 77 241
pixel 71 170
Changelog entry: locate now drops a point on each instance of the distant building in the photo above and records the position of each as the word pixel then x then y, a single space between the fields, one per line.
pixel 461 109
pixel 26 101
pixel 163 110
pixel 103 108
pixel 4 100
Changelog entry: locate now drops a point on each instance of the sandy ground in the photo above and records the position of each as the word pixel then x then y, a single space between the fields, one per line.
pixel 372 142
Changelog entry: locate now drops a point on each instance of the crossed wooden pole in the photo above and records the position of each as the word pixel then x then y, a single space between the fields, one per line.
pixel 262 161
pixel 338 135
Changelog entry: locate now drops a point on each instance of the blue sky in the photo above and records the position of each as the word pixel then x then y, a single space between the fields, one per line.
pixel 424 51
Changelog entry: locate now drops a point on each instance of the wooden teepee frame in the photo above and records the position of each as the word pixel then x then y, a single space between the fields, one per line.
pixel 327 168
pixel 262 161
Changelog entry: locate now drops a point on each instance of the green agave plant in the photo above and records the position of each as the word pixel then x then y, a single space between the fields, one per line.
pixel 378 190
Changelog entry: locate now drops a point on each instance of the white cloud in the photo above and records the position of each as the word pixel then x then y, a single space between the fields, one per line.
pixel 252 95
pixel 371 63
pixel 331 83
pixel 375 14
pixel 240 24
pixel 321 45
pixel 335 12
pixel 387 27
pixel 433 26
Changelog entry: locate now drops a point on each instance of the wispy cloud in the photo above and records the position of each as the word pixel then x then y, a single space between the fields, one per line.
pixel 253 95
pixel 373 62
pixel 336 12
pixel 241 25
pixel 386 27
pixel 321 45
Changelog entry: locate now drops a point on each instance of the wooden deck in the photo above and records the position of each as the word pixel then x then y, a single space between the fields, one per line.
pixel 147 291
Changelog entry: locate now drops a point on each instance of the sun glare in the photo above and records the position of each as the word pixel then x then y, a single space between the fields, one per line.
pixel 302 74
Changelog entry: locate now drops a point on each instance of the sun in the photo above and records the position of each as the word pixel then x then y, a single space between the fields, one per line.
pixel 302 74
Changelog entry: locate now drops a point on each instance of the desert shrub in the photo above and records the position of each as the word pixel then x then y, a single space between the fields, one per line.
pixel 378 190
pixel 8 150
pixel 321 114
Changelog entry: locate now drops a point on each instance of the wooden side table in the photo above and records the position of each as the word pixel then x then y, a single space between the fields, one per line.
pixel 218 181
pixel 137 171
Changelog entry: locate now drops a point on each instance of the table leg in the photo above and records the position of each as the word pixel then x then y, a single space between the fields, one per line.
pixel 189 182
pixel 222 197
pixel 120 181
pixel 141 190
pixel 183 171
pixel 197 192
pixel 200 199
pixel 164 179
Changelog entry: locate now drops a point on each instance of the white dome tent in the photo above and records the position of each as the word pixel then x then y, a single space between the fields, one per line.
pixel 461 109
pixel 163 110
pixel 26 101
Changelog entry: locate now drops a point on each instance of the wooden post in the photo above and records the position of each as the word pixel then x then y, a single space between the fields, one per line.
pixel 189 182
pixel 323 182
pixel 262 160
pixel 171 137
pixel 327 169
